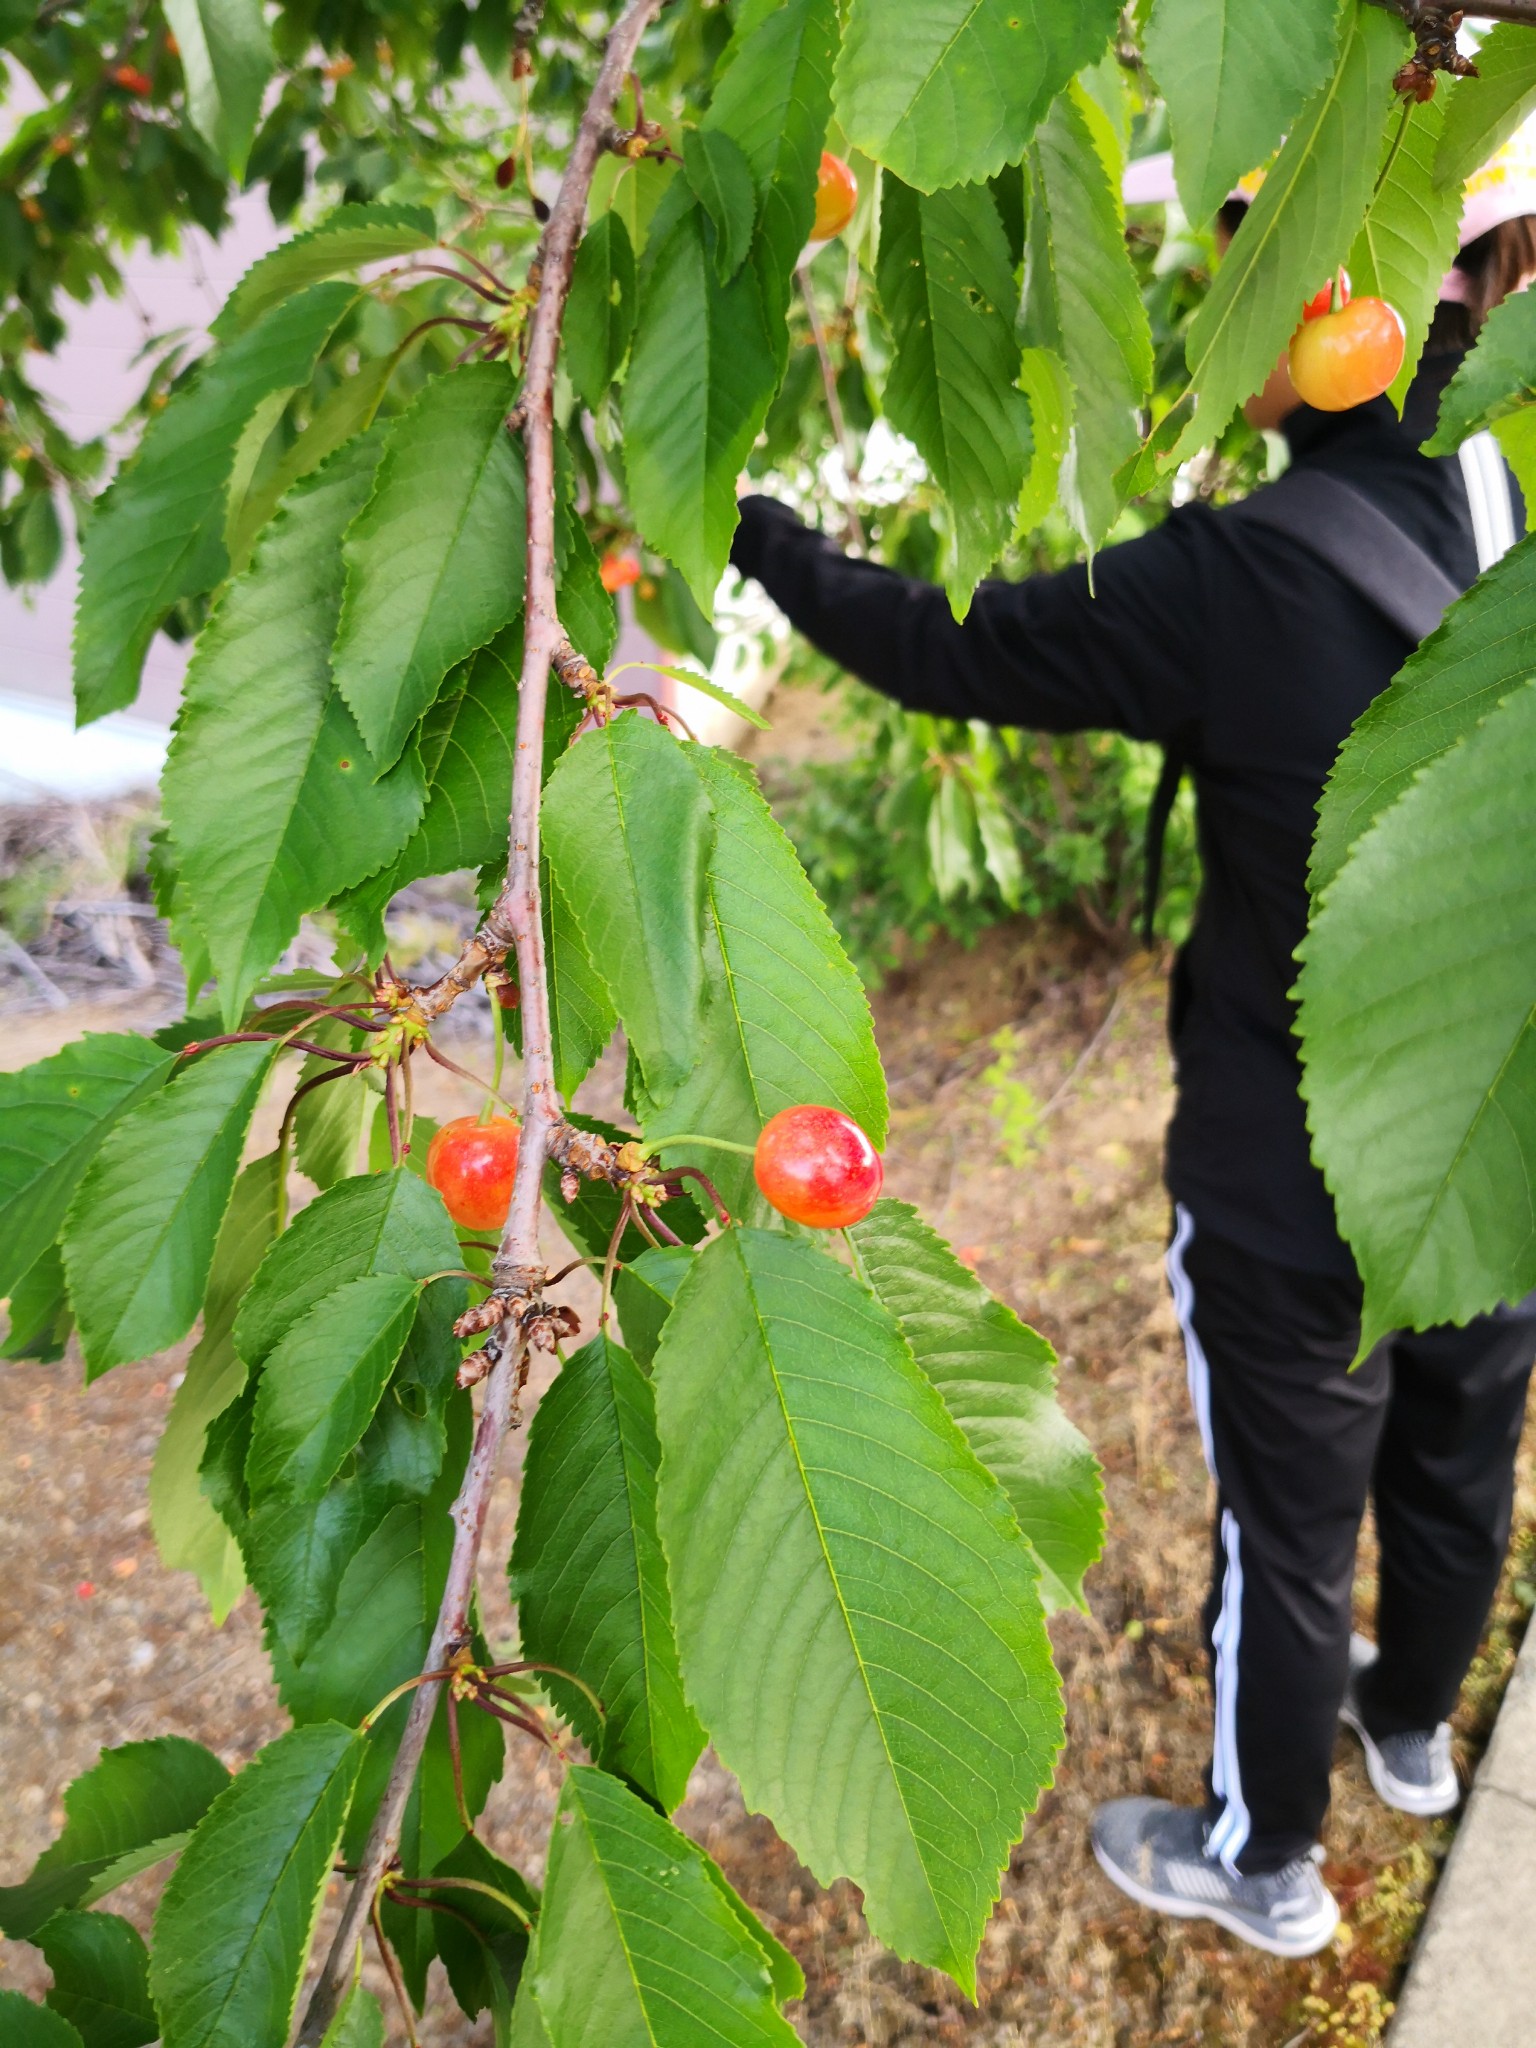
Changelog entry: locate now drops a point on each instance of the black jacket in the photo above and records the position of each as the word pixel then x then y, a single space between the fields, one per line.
pixel 1248 652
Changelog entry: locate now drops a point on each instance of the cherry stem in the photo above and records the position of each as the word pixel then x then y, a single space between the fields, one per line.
pixel 484 345
pixel 387 1955
pixel 321 1010
pixel 324 1052
pixel 354 974
pixel 521 1664
pixel 442 270
pixel 668 714
pixel 464 1884
pixel 627 1209
pixel 704 1181
pixel 696 1138
pixel 855 528
pixel 498 1055
pixel 484 269
pixel 458 1273
pixel 456 1758
pixel 465 1075
pixel 664 1231
pixel 1397 142
pixel 638 1218
pixel 554 1279
pixel 480 328
pixel 409 1092
pixel 392 1110
pixel 519 1721
pixel 284 1155
pixel 422 1678
pixel 306 1087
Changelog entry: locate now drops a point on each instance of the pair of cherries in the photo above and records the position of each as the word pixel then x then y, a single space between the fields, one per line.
pixel 812 1163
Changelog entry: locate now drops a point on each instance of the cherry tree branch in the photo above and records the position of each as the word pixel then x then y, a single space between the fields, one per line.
pixel 1489 10
pixel 516 918
pixel 1502 10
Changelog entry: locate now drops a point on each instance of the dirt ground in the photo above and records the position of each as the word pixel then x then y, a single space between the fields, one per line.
pixel 1036 1044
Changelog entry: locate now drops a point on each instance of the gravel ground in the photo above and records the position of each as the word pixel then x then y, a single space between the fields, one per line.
pixel 1061 1214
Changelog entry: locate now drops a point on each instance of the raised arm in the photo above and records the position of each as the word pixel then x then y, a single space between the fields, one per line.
pixel 1128 657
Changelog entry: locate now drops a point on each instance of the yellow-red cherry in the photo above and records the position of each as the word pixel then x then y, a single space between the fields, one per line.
pixel 837 194
pixel 1347 357
pixel 472 1165
pixel 617 572
pixel 816 1166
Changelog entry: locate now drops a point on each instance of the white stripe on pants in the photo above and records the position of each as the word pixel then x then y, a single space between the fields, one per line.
pixel 1230 1833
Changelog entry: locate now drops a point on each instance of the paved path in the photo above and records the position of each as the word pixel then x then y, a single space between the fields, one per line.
pixel 1472 1976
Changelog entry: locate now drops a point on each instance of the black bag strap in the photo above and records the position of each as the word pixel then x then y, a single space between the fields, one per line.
pixel 1362 546
pixel 1359 543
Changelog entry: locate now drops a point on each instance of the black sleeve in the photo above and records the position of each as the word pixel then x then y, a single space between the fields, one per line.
pixel 1127 657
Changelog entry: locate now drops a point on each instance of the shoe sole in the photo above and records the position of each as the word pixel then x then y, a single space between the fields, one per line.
pixel 1293 1948
pixel 1423 1804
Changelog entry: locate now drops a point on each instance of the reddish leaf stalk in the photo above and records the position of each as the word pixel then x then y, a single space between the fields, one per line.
pixel 516 920
pixel 396 1981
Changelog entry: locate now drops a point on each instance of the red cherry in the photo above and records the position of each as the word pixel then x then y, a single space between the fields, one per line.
pixel 837 194
pixel 1322 302
pixel 506 171
pixel 133 80
pixel 618 570
pixel 1347 357
pixel 816 1166
pixel 472 1165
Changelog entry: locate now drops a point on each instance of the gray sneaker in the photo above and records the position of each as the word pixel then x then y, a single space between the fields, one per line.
pixel 1155 1852
pixel 1413 1772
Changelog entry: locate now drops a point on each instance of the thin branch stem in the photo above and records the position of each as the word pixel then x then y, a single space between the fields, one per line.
pixel 517 919
pixel 1491 10
pixel 834 406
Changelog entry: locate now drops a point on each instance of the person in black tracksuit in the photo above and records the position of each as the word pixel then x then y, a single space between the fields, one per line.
pixel 1245 651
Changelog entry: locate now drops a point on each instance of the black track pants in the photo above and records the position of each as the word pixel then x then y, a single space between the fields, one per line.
pixel 1428 1426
